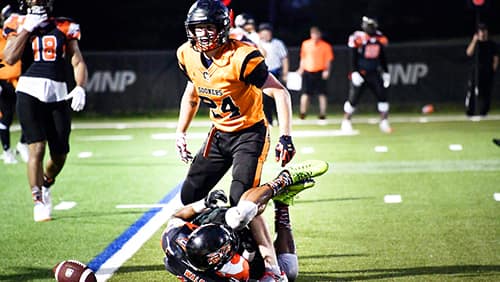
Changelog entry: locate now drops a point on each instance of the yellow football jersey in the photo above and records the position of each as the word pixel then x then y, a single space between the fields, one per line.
pixel 234 104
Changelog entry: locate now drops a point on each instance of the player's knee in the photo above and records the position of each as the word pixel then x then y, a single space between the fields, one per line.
pixel 383 107
pixel 289 263
pixel 349 108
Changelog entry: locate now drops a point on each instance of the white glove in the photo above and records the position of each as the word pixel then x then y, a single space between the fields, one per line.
pixel 34 18
pixel 181 145
pixel 386 77
pixel 78 95
pixel 357 79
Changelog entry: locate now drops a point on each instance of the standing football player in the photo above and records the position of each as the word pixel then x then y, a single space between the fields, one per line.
pixel 8 81
pixel 42 106
pixel 369 71
pixel 229 77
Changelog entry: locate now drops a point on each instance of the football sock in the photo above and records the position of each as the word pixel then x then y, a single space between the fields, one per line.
pixel 281 217
pixel 284 179
pixel 47 181
pixel 36 194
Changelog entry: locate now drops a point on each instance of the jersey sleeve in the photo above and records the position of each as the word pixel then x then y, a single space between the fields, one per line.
pixel 181 60
pixel 69 28
pixel 254 69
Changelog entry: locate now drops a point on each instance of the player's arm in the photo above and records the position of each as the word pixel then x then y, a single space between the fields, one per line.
pixel 273 88
pixel 79 66
pixel 472 45
pixel 14 47
pixel 190 103
pixel 188 212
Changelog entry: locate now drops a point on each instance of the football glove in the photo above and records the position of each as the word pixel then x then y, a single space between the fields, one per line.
pixel 181 145
pixel 34 18
pixel 386 77
pixel 357 79
pixel 78 96
pixel 285 150
pixel 215 196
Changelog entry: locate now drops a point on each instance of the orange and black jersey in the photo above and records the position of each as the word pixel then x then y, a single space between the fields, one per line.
pixel 230 86
pixel 368 51
pixel 48 45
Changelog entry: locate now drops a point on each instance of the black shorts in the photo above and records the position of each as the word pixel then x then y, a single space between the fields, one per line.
pixel 245 151
pixel 7 103
pixel 41 121
pixel 313 83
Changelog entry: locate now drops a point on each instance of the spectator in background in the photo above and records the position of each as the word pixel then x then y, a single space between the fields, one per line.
pixel 316 56
pixel 484 67
pixel 246 23
pixel 369 70
pixel 42 95
pixel 8 81
pixel 277 62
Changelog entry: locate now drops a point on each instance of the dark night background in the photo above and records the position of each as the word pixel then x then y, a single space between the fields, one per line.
pixel 158 25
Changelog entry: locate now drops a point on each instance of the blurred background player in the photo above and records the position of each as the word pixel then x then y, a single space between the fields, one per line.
pixel 316 56
pixel 369 71
pixel 276 61
pixel 42 106
pixel 9 75
pixel 201 231
pixel 486 57
pixel 229 77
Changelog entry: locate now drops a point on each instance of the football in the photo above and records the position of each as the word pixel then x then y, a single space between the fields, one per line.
pixel 73 271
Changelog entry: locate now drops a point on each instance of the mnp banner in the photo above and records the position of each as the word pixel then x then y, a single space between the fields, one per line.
pixel 139 82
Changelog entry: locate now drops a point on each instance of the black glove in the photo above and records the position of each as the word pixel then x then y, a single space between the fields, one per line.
pixel 285 150
pixel 211 199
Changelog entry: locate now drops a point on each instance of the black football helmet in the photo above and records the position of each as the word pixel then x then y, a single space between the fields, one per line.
pixel 208 12
pixel 369 25
pixel 242 20
pixel 24 5
pixel 211 246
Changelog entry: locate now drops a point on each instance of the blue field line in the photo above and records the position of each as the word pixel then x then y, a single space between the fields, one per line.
pixel 118 243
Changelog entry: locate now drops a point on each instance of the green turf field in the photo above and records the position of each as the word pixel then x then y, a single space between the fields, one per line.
pixel 447 227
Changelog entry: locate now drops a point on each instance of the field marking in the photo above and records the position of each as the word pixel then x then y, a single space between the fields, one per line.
pixel 381 149
pixel 106 138
pixel 207 124
pixel 296 134
pixel 63 206
pixel 131 240
pixel 392 199
pixel 456 147
pixel 141 206
pixel 84 155
pixel 415 166
pixel 496 196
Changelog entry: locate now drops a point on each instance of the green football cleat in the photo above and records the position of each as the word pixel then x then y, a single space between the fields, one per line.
pixel 307 169
pixel 287 196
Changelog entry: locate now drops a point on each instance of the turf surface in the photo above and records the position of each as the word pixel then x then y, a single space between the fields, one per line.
pixel 446 228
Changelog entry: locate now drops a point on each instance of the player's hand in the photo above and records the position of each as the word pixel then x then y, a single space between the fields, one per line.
pixel 285 150
pixel 34 18
pixel 213 197
pixel 386 77
pixel 357 79
pixel 181 145
pixel 78 96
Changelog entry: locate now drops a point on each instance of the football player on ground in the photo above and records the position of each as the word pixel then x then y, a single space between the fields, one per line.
pixel 204 241
pixel 42 97
pixel 8 81
pixel 229 77
pixel 369 71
